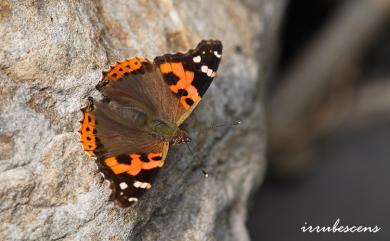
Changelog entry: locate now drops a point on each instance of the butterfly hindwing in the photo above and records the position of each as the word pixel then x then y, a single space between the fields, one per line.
pixel 130 174
pixel 128 157
pixel 112 129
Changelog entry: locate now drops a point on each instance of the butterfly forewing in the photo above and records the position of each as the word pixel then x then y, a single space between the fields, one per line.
pixel 189 75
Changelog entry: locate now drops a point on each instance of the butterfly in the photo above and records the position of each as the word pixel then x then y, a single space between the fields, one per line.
pixel 144 103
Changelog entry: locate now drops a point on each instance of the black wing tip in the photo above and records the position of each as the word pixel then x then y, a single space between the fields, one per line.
pixel 215 45
pixel 205 45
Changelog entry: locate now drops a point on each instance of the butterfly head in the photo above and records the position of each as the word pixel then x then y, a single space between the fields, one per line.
pixel 180 137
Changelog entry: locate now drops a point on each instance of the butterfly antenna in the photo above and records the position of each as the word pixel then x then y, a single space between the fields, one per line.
pixel 236 123
pixel 205 174
pixel 196 157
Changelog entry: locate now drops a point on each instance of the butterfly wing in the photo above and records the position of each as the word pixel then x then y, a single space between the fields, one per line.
pixel 130 174
pixel 135 91
pixel 114 130
pixel 127 156
pixel 189 75
pixel 170 87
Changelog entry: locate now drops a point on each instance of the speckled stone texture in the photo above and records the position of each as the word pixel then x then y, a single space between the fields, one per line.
pixel 52 54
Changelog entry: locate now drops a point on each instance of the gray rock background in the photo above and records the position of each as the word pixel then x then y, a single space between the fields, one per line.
pixel 51 57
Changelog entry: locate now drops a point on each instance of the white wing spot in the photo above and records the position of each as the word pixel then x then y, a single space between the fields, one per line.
pixel 137 184
pixel 203 52
pixel 121 193
pixel 210 72
pixel 217 54
pixel 204 68
pixel 144 185
pixel 197 59
pixel 123 185
pixel 132 199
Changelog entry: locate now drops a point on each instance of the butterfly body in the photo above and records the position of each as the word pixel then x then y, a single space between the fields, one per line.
pixel 140 116
pixel 166 132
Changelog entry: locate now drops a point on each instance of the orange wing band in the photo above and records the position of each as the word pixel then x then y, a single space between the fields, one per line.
pixel 185 78
pixel 135 163
pixel 86 131
pixel 127 66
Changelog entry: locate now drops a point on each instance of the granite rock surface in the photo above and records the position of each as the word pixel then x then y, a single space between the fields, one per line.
pixel 52 54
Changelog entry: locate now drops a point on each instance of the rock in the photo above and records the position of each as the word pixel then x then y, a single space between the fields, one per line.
pixel 52 54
